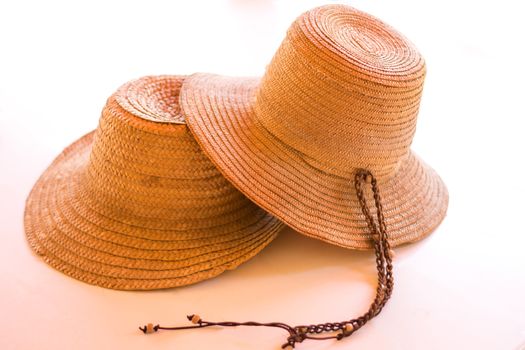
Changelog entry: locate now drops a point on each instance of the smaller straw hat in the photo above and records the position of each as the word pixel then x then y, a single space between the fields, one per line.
pixel 342 93
pixel 137 205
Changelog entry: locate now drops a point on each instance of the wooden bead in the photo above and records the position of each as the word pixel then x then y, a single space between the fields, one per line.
pixel 349 327
pixel 195 319
pixel 149 328
pixel 302 329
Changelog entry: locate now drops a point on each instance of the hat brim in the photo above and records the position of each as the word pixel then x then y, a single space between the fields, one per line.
pixel 76 239
pixel 219 111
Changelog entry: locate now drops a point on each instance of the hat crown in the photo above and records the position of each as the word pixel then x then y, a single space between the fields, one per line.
pixel 343 90
pixel 145 168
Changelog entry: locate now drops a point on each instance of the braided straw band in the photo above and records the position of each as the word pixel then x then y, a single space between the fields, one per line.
pixel 138 205
pixel 341 93
pixel 343 329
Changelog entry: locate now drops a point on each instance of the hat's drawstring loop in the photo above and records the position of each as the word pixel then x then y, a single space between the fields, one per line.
pixel 385 285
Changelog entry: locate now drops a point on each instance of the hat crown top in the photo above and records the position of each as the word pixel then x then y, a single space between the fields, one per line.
pixel 343 90
pixel 152 98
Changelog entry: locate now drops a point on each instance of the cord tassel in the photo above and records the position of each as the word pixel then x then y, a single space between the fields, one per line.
pixel 384 255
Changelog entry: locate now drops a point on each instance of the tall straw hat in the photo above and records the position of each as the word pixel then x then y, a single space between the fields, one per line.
pixel 137 205
pixel 342 93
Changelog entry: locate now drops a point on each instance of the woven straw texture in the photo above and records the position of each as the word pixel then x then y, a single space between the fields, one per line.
pixel 137 205
pixel 341 93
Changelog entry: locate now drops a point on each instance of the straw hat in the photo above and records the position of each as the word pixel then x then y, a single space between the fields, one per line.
pixel 342 93
pixel 137 205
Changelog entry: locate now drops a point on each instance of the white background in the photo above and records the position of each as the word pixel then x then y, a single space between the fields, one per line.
pixel 462 288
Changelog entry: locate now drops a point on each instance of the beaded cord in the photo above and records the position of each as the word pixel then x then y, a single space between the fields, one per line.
pixel 330 330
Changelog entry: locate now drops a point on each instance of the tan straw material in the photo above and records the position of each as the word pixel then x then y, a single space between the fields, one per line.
pixel 342 93
pixel 137 205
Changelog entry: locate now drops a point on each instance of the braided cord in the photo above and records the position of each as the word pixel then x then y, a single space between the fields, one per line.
pixel 322 331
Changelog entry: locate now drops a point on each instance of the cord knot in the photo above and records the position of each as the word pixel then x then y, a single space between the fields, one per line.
pixel 296 337
pixel 365 176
